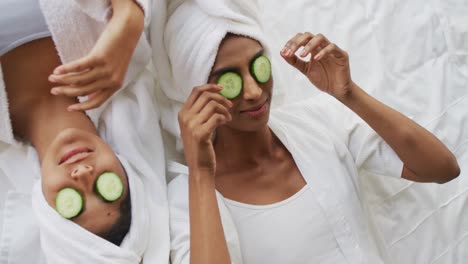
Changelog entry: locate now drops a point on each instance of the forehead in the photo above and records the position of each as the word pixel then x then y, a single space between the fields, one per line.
pixel 236 49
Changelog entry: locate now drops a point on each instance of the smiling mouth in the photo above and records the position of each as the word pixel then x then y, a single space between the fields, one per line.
pixel 75 155
pixel 257 110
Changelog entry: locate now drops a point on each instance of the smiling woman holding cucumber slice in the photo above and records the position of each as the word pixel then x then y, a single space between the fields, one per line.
pixel 280 187
pixel 82 177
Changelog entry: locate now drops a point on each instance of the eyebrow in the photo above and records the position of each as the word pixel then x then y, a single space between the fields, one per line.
pixel 228 69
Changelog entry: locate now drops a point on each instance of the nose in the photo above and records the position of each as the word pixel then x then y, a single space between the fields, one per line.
pixel 252 91
pixel 81 170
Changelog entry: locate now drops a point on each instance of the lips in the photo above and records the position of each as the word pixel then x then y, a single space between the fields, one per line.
pixel 256 110
pixel 75 155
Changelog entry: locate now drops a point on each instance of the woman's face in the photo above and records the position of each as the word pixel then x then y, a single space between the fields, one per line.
pixel 75 159
pixel 251 108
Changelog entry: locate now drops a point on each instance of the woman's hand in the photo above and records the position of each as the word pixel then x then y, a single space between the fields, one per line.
pixel 328 68
pixel 202 113
pixel 102 72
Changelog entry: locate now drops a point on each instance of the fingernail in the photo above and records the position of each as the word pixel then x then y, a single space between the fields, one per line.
pixel 219 86
pixel 72 108
pixel 303 53
pixel 317 57
pixel 52 78
pixel 54 91
pixel 283 51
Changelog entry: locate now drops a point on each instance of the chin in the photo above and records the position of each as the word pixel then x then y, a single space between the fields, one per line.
pixel 68 139
pixel 251 124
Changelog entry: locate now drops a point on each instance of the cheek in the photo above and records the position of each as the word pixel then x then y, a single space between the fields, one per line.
pixel 51 185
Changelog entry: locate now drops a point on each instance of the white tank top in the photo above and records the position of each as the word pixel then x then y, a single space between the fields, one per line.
pixel 21 21
pixel 293 231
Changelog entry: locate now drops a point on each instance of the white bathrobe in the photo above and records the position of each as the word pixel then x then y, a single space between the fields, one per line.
pixel 329 144
pixel 128 122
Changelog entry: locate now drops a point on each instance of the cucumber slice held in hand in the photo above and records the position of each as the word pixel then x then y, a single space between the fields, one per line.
pixel 69 203
pixel 261 69
pixel 109 186
pixel 231 83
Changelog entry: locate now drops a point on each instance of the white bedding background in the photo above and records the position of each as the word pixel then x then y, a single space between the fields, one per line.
pixel 412 55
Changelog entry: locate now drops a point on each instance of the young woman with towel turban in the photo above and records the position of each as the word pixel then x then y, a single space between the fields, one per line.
pixel 128 222
pixel 279 187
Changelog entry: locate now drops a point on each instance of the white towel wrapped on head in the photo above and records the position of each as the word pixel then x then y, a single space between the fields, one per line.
pixel 192 36
pixel 64 241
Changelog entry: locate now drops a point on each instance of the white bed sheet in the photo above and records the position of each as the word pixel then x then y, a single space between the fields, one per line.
pixel 412 55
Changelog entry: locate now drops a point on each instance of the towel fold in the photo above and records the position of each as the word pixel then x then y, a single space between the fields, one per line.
pixel 195 30
pixel 63 241
pixel 6 131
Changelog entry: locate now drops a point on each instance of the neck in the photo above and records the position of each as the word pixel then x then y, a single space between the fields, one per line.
pixel 241 149
pixel 48 118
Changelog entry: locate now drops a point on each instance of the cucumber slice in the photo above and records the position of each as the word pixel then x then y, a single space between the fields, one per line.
pixel 231 83
pixel 109 186
pixel 69 203
pixel 261 69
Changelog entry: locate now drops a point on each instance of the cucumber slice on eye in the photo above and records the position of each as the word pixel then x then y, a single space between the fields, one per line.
pixel 109 186
pixel 231 83
pixel 261 69
pixel 69 203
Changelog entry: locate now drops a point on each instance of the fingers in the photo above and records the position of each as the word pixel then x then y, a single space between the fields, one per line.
pixel 214 122
pixel 94 101
pixel 314 44
pixel 309 41
pixel 212 116
pixel 78 65
pixel 80 91
pixel 204 111
pixel 79 79
pixel 331 49
pixel 295 43
pixel 318 46
pixel 211 108
pixel 197 91
pixel 296 62
pixel 205 98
